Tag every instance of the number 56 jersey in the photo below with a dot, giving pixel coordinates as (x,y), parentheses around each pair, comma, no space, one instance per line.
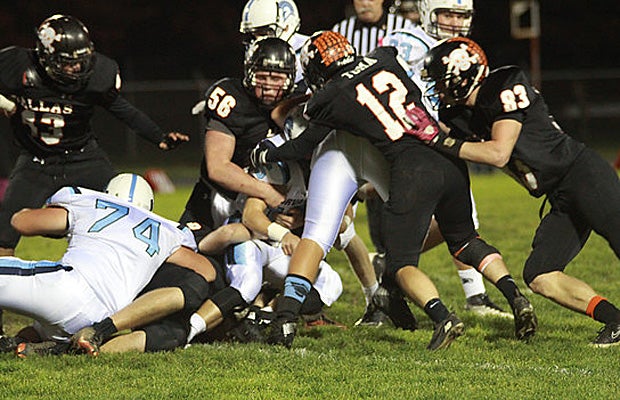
(116,246)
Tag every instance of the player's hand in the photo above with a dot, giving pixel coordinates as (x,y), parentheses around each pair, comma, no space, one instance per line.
(294,219)
(289,243)
(258,156)
(172,140)
(422,125)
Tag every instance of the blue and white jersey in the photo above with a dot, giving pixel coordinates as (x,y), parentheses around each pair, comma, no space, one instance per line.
(297,42)
(412,44)
(116,246)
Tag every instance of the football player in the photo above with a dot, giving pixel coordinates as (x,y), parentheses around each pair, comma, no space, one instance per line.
(237,117)
(369,96)
(265,259)
(500,119)
(116,245)
(55,88)
(441,19)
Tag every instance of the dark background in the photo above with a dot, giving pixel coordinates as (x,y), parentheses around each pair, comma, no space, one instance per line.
(170,52)
(200,39)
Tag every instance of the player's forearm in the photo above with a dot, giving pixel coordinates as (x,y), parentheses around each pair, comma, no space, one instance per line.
(41,221)
(135,119)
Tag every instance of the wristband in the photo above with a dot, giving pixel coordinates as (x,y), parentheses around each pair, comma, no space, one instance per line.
(276,232)
(6,104)
(447,144)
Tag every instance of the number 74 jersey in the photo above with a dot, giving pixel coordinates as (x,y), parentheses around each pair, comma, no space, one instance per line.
(114,245)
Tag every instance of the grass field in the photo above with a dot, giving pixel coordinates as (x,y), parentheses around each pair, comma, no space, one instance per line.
(371,363)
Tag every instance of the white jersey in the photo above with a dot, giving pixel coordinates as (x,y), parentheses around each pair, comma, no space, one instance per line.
(114,245)
(297,42)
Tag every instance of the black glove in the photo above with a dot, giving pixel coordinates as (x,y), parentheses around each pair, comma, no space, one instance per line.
(171,142)
(258,156)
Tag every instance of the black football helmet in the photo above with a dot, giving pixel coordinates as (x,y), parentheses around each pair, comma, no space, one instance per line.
(64,49)
(323,54)
(456,66)
(273,55)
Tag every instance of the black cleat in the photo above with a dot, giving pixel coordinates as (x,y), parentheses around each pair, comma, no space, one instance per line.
(608,336)
(446,332)
(395,306)
(282,332)
(48,348)
(525,318)
(372,317)
(8,344)
(86,341)
(251,328)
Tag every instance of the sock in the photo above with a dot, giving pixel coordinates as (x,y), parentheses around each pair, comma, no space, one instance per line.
(436,310)
(296,288)
(472,282)
(104,329)
(509,288)
(197,325)
(369,291)
(603,311)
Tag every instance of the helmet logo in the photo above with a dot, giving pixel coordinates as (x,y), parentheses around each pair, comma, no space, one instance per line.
(48,36)
(459,60)
(286,8)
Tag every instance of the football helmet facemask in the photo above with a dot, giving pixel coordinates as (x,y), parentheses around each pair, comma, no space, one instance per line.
(428,17)
(270,55)
(132,188)
(269,18)
(456,66)
(324,54)
(64,49)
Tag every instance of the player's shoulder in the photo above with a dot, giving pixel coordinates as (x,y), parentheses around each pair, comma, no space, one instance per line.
(507,76)
(227,86)
(66,195)
(14,62)
(105,74)
(228,99)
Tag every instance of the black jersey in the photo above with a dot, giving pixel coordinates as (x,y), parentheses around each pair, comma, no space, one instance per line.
(369,99)
(231,109)
(52,118)
(543,152)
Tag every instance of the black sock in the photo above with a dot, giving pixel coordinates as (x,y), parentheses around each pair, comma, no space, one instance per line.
(288,308)
(606,312)
(436,310)
(104,329)
(509,288)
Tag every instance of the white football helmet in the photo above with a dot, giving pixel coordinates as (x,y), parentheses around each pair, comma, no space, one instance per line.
(277,18)
(132,188)
(428,17)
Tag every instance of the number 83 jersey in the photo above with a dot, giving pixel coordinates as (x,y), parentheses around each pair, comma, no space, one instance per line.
(114,245)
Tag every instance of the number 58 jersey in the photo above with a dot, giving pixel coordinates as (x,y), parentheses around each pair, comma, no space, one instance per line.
(114,245)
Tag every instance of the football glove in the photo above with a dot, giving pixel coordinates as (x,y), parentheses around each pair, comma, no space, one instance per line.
(258,156)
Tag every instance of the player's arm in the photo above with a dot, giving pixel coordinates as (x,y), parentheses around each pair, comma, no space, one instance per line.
(294,149)
(50,221)
(497,151)
(226,235)
(143,125)
(219,150)
(256,220)
(187,258)
(283,109)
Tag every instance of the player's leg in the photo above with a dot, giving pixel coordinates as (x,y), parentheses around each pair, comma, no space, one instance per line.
(416,185)
(331,187)
(453,214)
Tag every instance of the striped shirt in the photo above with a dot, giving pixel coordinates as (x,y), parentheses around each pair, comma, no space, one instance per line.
(365,36)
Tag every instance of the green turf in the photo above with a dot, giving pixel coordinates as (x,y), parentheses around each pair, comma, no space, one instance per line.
(374,363)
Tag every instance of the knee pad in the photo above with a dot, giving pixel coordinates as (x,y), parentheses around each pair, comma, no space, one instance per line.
(196,290)
(477,253)
(227,300)
(166,334)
